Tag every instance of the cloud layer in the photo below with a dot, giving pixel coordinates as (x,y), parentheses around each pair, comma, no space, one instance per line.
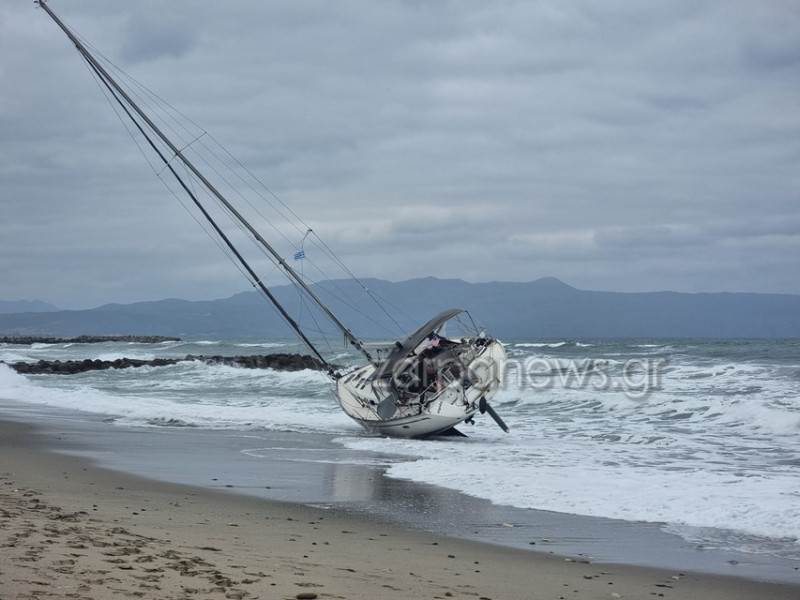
(614,146)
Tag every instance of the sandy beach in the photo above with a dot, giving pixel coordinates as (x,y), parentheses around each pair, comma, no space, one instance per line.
(70,529)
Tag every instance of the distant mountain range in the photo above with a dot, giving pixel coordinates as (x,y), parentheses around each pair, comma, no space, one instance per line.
(8,307)
(546,308)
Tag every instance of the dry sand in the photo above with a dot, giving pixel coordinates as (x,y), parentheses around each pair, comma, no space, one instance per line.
(69,529)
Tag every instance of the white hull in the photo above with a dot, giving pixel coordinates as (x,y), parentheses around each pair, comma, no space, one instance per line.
(452,398)
(419,426)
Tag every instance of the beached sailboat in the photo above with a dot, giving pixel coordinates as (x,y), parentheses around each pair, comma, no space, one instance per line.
(420,386)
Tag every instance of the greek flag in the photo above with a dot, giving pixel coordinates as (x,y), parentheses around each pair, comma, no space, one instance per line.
(300,254)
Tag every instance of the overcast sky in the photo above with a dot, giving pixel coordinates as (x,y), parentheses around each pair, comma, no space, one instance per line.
(622,146)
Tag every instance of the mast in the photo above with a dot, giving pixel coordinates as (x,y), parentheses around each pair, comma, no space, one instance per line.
(118,92)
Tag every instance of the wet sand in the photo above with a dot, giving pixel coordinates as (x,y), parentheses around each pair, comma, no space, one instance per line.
(71,529)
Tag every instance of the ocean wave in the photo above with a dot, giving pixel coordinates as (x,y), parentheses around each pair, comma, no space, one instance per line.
(540,344)
(714,427)
(262,345)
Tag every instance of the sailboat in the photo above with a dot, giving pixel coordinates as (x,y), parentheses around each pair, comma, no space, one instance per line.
(422,385)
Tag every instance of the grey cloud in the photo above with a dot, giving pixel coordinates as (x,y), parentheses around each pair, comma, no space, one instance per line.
(599,143)
(149,37)
(644,236)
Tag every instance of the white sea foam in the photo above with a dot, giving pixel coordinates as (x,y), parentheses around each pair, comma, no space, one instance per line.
(540,344)
(711,448)
(136,354)
(198,395)
(572,482)
(13,355)
(595,477)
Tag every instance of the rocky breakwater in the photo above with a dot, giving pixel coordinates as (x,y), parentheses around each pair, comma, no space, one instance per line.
(279,362)
(87,339)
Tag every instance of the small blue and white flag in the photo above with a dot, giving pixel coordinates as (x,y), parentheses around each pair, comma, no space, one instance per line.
(300,255)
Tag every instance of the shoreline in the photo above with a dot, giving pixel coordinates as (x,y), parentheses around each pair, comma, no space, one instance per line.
(317,470)
(68,522)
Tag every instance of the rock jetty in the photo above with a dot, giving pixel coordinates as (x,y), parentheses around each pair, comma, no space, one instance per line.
(87,339)
(279,362)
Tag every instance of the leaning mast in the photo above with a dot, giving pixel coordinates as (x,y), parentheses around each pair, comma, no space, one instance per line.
(120,94)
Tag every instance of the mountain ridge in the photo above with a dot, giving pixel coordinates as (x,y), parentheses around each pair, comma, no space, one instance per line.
(542,308)
(9,307)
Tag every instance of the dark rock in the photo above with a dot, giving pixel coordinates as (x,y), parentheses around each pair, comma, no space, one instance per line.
(279,362)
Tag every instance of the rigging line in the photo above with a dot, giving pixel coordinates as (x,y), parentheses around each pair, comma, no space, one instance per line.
(345,298)
(299,291)
(158,172)
(118,115)
(237,192)
(150,99)
(333,290)
(191,142)
(342,296)
(205,229)
(167,115)
(100,57)
(156,105)
(376,300)
(114,106)
(216,227)
(216,240)
(319,330)
(288,270)
(336,291)
(219,159)
(237,175)
(203,226)
(264,186)
(146,95)
(304,302)
(249,236)
(329,253)
(326,250)
(172,117)
(175,155)
(212,165)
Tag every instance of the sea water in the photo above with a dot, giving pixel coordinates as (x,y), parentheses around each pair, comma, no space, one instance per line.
(699,436)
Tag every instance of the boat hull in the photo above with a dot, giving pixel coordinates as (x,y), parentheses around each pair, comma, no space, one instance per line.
(418,426)
(380,408)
